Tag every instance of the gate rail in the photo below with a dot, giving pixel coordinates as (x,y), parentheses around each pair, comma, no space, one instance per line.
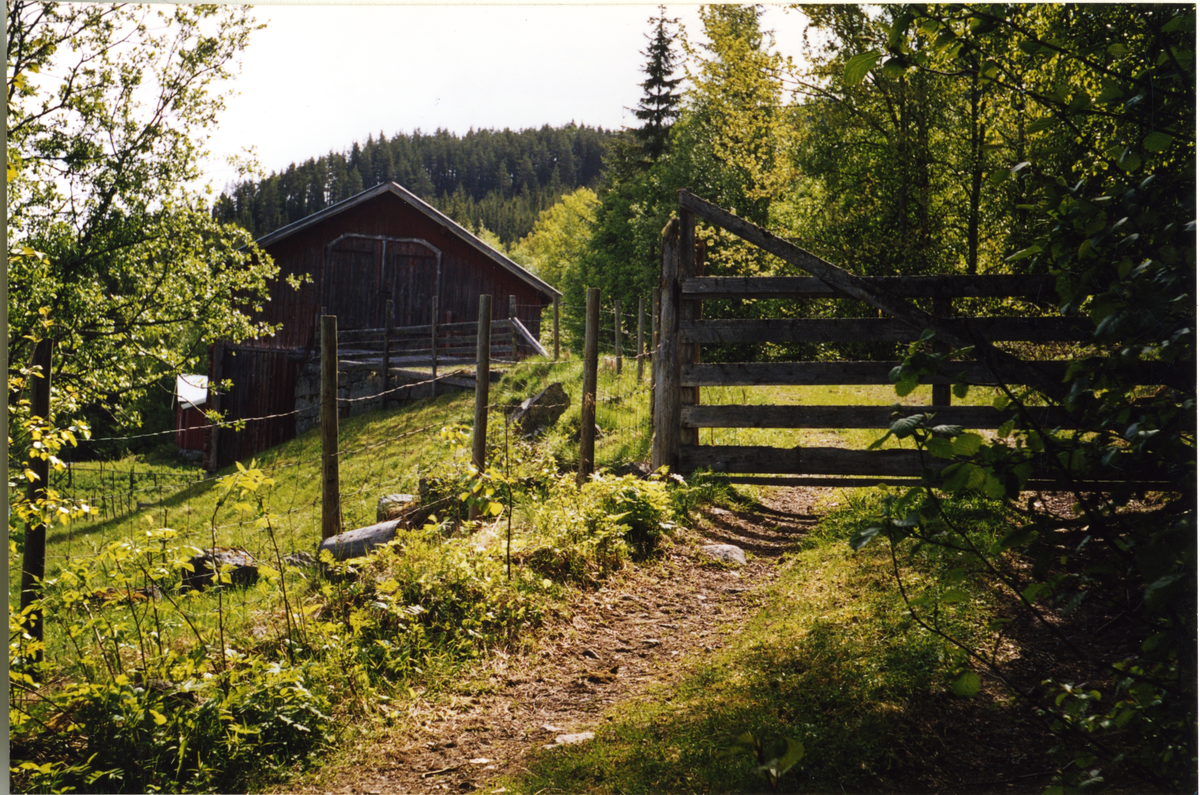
(679,371)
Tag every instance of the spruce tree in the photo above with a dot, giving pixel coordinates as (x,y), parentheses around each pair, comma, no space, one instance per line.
(658,107)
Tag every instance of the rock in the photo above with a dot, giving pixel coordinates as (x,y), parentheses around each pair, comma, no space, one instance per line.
(191,456)
(243,568)
(574,739)
(542,410)
(393,506)
(725,553)
(301,560)
(639,469)
(357,543)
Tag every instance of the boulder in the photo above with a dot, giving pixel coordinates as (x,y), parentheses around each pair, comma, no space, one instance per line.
(639,469)
(724,553)
(243,568)
(393,506)
(357,543)
(542,410)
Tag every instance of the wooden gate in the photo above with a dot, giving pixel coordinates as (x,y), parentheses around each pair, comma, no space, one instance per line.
(680,371)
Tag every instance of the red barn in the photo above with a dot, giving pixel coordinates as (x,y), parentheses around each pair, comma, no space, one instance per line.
(383,244)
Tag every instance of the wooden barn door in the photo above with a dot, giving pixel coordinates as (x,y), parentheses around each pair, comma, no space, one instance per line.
(410,279)
(353,288)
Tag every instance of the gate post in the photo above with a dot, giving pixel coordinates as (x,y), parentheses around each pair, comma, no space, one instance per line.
(667,407)
(331,499)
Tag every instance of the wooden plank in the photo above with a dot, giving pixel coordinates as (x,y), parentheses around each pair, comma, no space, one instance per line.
(528,338)
(858,416)
(1180,375)
(1012,369)
(787,330)
(849,482)
(689,311)
(667,405)
(736,459)
(828,373)
(1037,288)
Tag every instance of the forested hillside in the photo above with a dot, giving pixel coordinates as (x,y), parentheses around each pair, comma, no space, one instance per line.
(496,179)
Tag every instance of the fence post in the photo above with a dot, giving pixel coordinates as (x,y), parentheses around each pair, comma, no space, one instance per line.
(331,499)
(587,420)
(433,329)
(387,351)
(655,309)
(512,325)
(617,331)
(941,392)
(556,328)
(667,406)
(33,564)
(483,350)
(641,346)
(214,404)
(690,259)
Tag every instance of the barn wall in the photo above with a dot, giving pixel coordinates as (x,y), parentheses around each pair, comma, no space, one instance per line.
(364,272)
(357,287)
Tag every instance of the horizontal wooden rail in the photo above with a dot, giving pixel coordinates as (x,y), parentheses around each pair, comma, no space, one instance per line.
(1175,374)
(794,330)
(1038,288)
(829,373)
(858,416)
(737,459)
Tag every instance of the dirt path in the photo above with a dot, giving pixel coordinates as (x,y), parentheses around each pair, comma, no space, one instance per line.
(618,642)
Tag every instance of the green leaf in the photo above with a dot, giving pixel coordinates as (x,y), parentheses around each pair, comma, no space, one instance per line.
(940,448)
(1025,253)
(858,66)
(967,444)
(966,685)
(1157,141)
(953,596)
(1038,125)
(960,389)
(864,537)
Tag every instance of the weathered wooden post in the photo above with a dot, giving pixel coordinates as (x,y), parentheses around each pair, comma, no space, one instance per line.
(483,351)
(213,460)
(512,325)
(641,340)
(433,334)
(617,332)
(690,256)
(331,498)
(556,328)
(667,406)
(941,392)
(386,375)
(33,563)
(655,309)
(587,419)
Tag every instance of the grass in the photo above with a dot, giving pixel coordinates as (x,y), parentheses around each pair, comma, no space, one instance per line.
(831,659)
(391,451)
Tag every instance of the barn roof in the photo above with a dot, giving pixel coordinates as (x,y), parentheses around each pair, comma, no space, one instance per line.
(432,213)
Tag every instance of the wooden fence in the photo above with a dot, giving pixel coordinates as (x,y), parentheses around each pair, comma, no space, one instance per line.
(680,371)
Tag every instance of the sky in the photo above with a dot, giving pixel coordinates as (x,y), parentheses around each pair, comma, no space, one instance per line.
(320,77)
